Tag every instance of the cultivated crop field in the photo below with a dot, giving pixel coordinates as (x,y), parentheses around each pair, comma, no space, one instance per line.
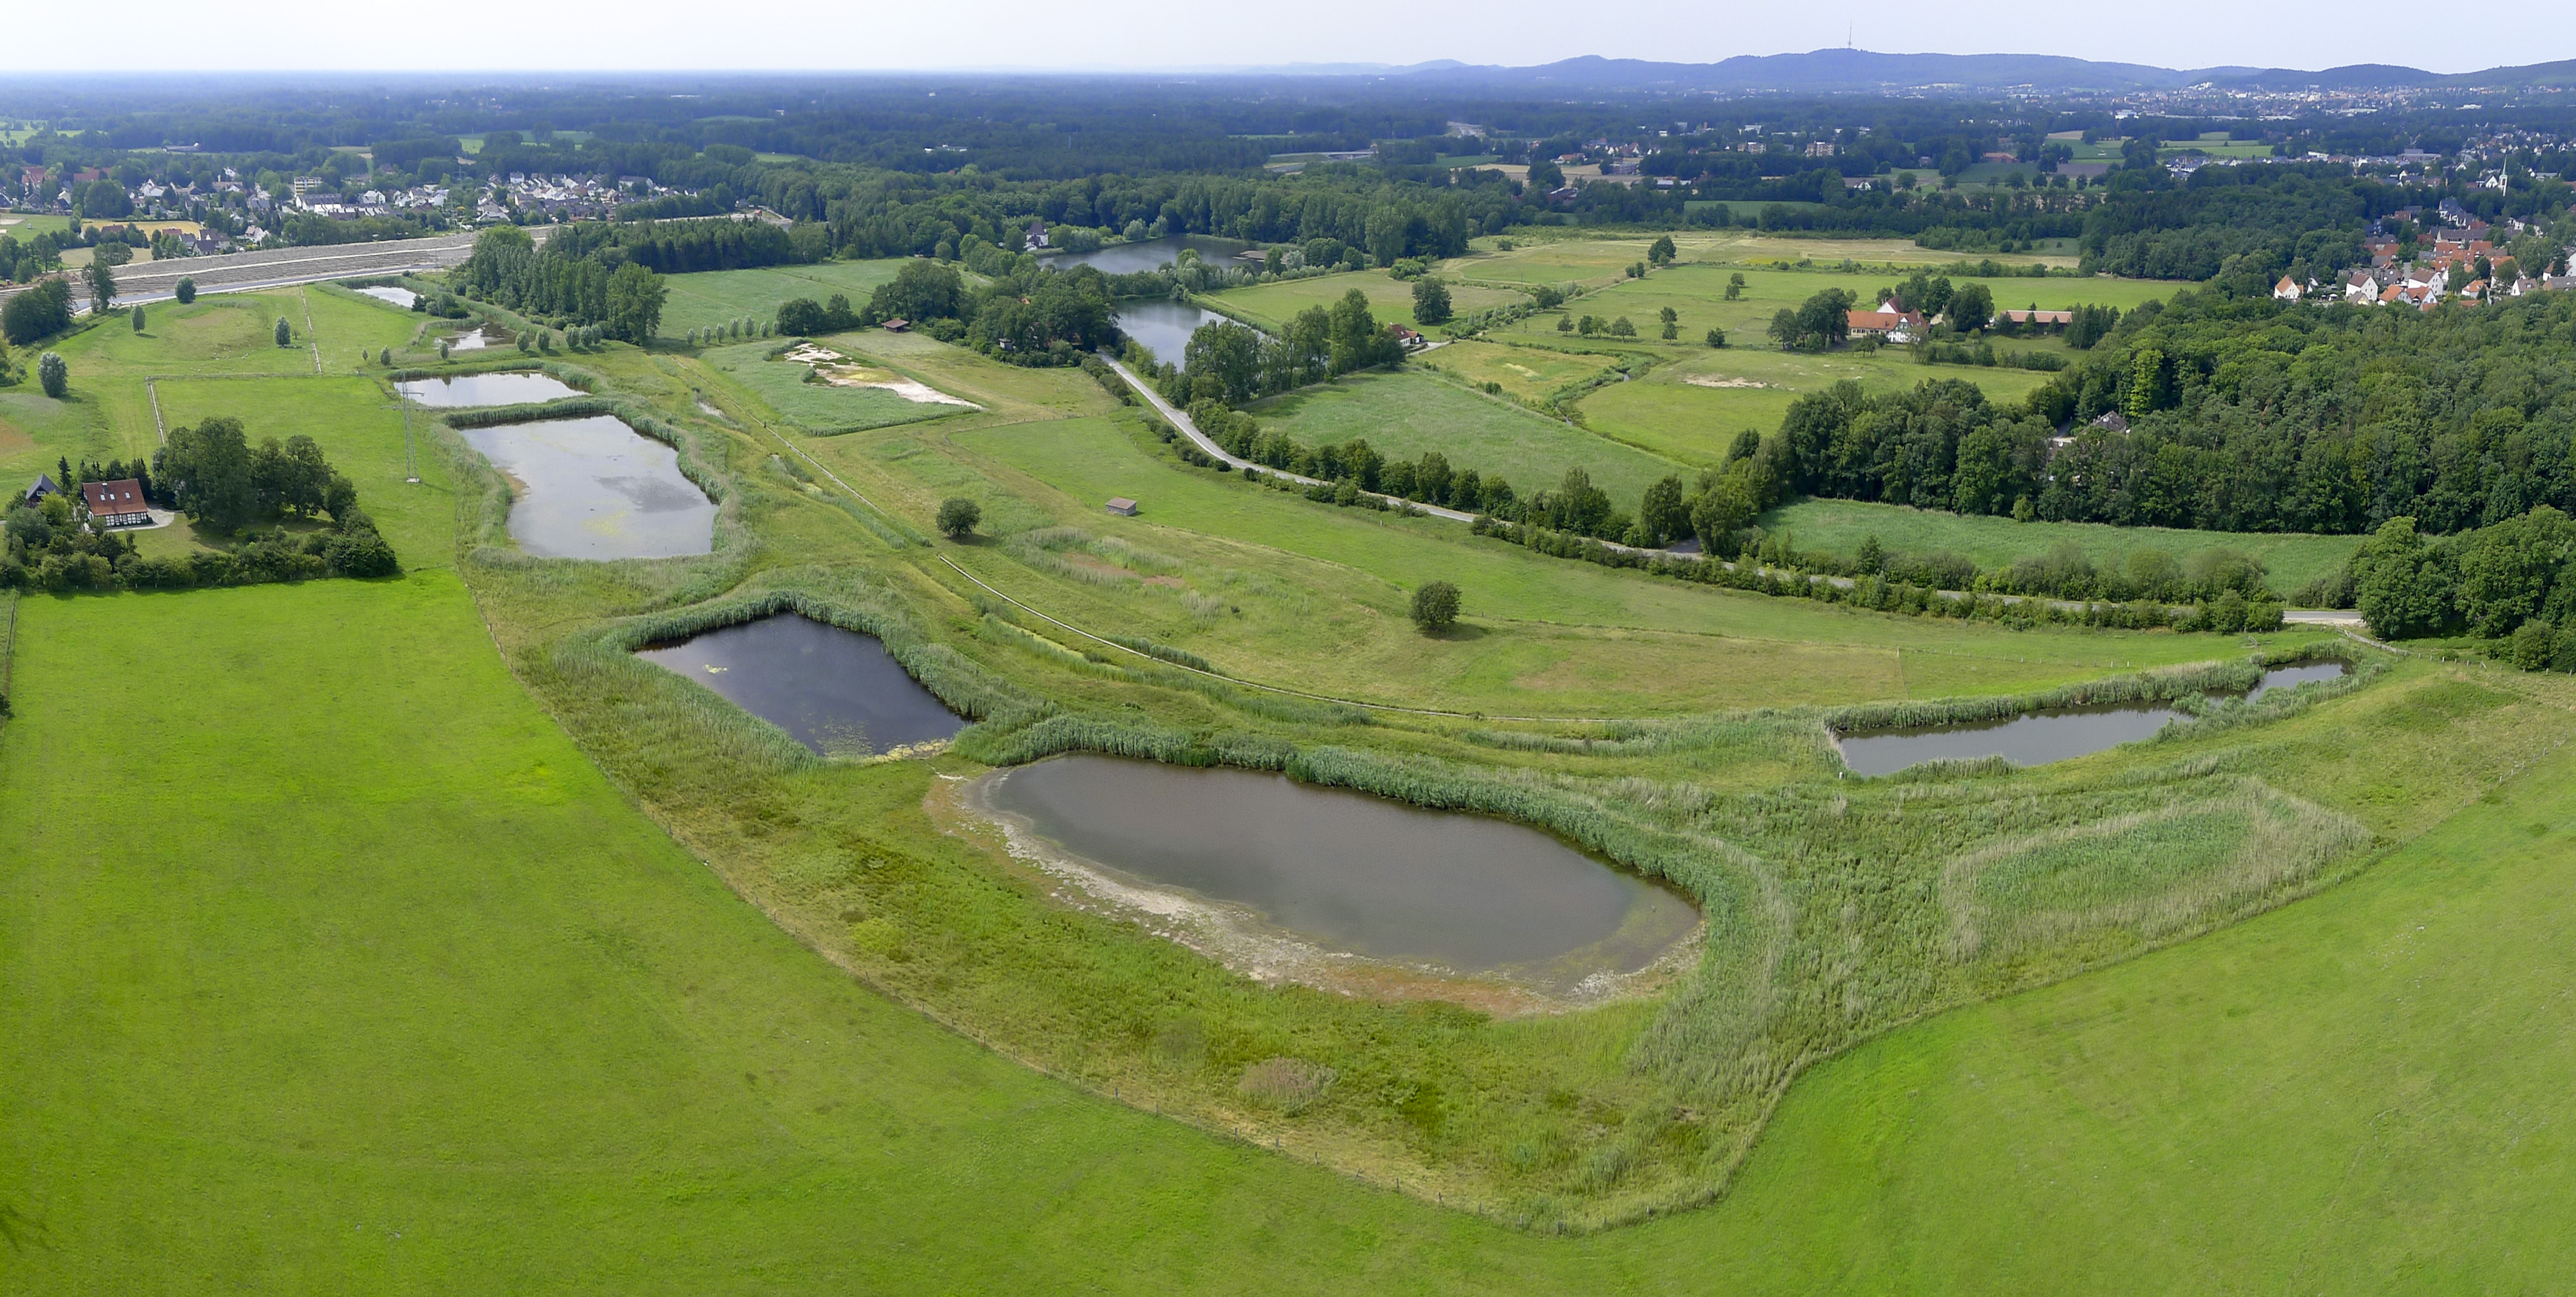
(417,931)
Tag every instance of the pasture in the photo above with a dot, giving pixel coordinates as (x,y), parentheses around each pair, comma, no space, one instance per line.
(1404,414)
(1272,305)
(1692,409)
(714,297)
(1839,527)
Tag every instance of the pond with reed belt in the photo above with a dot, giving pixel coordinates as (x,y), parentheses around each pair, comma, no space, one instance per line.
(2037,738)
(595,488)
(1351,872)
(465,391)
(836,691)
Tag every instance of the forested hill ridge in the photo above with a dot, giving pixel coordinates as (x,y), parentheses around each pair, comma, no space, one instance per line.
(1847,70)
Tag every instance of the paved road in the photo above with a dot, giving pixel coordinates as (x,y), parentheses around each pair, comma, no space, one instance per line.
(240,272)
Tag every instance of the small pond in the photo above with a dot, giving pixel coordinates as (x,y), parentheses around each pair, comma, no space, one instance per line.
(1128,258)
(2037,738)
(836,691)
(595,488)
(1163,328)
(402,297)
(463,390)
(1349,871)
(470,340)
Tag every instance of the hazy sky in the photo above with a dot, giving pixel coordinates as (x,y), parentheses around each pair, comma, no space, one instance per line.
(1121,34)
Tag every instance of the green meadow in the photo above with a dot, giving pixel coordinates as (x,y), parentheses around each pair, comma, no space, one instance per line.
(1271,306)
(1839,527)
(412,936)
(715,297)
(1406,413)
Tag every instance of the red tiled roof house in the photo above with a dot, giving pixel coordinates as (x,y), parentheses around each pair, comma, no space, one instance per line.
(116,504)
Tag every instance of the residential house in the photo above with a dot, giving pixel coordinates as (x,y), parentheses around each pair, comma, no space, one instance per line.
(2287,290)
(1886,323)
(44,486)
(116,504)
(1405,337)
(1037,234)
(2048,319)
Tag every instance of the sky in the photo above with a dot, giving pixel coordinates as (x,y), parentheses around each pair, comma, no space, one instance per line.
(875,35)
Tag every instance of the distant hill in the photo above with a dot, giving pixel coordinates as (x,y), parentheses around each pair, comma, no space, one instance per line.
(1847,70)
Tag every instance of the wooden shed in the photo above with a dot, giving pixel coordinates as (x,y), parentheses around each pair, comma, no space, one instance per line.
(1123,507)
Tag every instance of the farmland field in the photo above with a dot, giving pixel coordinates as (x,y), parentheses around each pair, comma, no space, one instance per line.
(1405,414)
(716,297)
(1273,305)
(1690,410)
(1839,526)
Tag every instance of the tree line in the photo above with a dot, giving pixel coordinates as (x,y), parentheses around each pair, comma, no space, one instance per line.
(584,280)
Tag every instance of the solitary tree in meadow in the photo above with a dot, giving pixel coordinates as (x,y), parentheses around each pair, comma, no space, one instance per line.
(1435,607)
(285,332)
(186,291)
(56,378)
(137,318)
(958,516)
(102,285)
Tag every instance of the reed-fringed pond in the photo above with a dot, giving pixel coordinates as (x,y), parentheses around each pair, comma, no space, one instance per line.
(2039,737)
(595,488)
(1348,871)
(836,691)
(464,391)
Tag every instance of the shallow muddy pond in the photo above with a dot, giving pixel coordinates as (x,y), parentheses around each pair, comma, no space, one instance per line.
(595,488)
(1351,872)
(459,391)
(402,297)
(836,691)
(2037,738)
(1163,328)
(1128,258)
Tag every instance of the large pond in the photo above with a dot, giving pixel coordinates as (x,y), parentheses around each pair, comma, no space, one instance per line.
(836,691)
(461,390)
(2037,738)
(1351,872)
(1128,258)
(402,297)
(1163,328)
(595,488)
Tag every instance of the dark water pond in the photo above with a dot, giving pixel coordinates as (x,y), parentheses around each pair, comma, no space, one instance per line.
(1353,872)
(1128,258)
(595,488)
(2037,738)
(1163,328)
(464,390)
(836,691)
(402,297)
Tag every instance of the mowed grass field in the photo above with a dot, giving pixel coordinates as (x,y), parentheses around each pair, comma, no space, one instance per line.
(1390,299)
(107,412)
(1839,527)
(1692,409)
(1403,414)
(715,297)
